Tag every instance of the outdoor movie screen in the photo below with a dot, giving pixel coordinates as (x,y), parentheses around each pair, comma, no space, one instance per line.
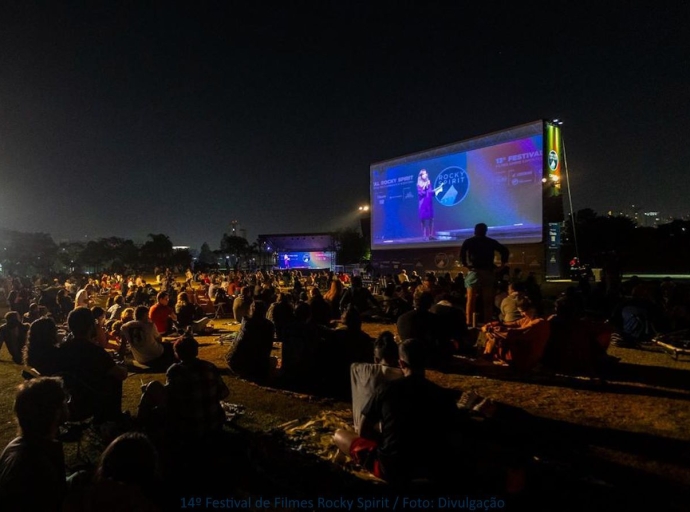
(436,197)
(306,260)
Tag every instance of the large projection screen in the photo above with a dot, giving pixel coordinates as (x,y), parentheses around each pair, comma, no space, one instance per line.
(495,179)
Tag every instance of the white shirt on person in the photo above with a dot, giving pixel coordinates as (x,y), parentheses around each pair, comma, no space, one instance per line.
(82,298)
(144,340)
(365,379)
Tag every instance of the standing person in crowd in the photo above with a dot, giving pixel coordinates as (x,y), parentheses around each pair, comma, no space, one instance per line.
(477,254)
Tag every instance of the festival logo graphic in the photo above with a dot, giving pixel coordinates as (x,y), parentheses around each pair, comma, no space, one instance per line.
(451,186)
(553,160)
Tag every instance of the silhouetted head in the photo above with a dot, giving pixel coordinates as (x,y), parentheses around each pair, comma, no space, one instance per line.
(40,405)
(386,349)
(258,309)
(186,348)
(130,458)
(13,319)
(141,313)
(412,354)
(81,322)
(480,229)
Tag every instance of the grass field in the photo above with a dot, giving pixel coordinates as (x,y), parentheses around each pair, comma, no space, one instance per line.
(630,437)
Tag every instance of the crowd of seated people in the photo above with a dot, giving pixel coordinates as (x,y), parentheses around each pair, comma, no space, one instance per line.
(323,345)
(181,429)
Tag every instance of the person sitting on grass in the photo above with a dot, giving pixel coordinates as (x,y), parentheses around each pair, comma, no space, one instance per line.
(127,478)
(32,466)
(508,305)
(187,408)
(361,298)
(337,350)
(242,303)
(421,324)
(250,354)
(34,313)
(41,350)
(115,311)
(95,380)
(333,296)
(417,419)
(520,344)
(189,314)
(282,314)
(101,334)
(300,343)
(145,341)
(13,334)
(577,345)
(195,389)
(320,309)
(162,315)
(366,378)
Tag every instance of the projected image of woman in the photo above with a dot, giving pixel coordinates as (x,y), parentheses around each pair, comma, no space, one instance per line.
(426,204)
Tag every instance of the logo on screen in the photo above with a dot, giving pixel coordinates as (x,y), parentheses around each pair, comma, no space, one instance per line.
(451,186)
(553,160)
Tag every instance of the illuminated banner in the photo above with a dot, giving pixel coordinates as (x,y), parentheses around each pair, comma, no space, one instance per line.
(553,153)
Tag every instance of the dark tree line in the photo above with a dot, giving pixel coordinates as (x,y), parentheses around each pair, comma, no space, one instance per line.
(607,240)
(30,253)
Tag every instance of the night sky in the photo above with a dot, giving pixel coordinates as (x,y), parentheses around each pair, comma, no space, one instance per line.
(178,118)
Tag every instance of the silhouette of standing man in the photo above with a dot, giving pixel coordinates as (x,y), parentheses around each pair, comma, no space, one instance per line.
(477,253)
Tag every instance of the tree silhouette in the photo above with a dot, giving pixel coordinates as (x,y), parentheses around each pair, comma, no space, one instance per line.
(158,251)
